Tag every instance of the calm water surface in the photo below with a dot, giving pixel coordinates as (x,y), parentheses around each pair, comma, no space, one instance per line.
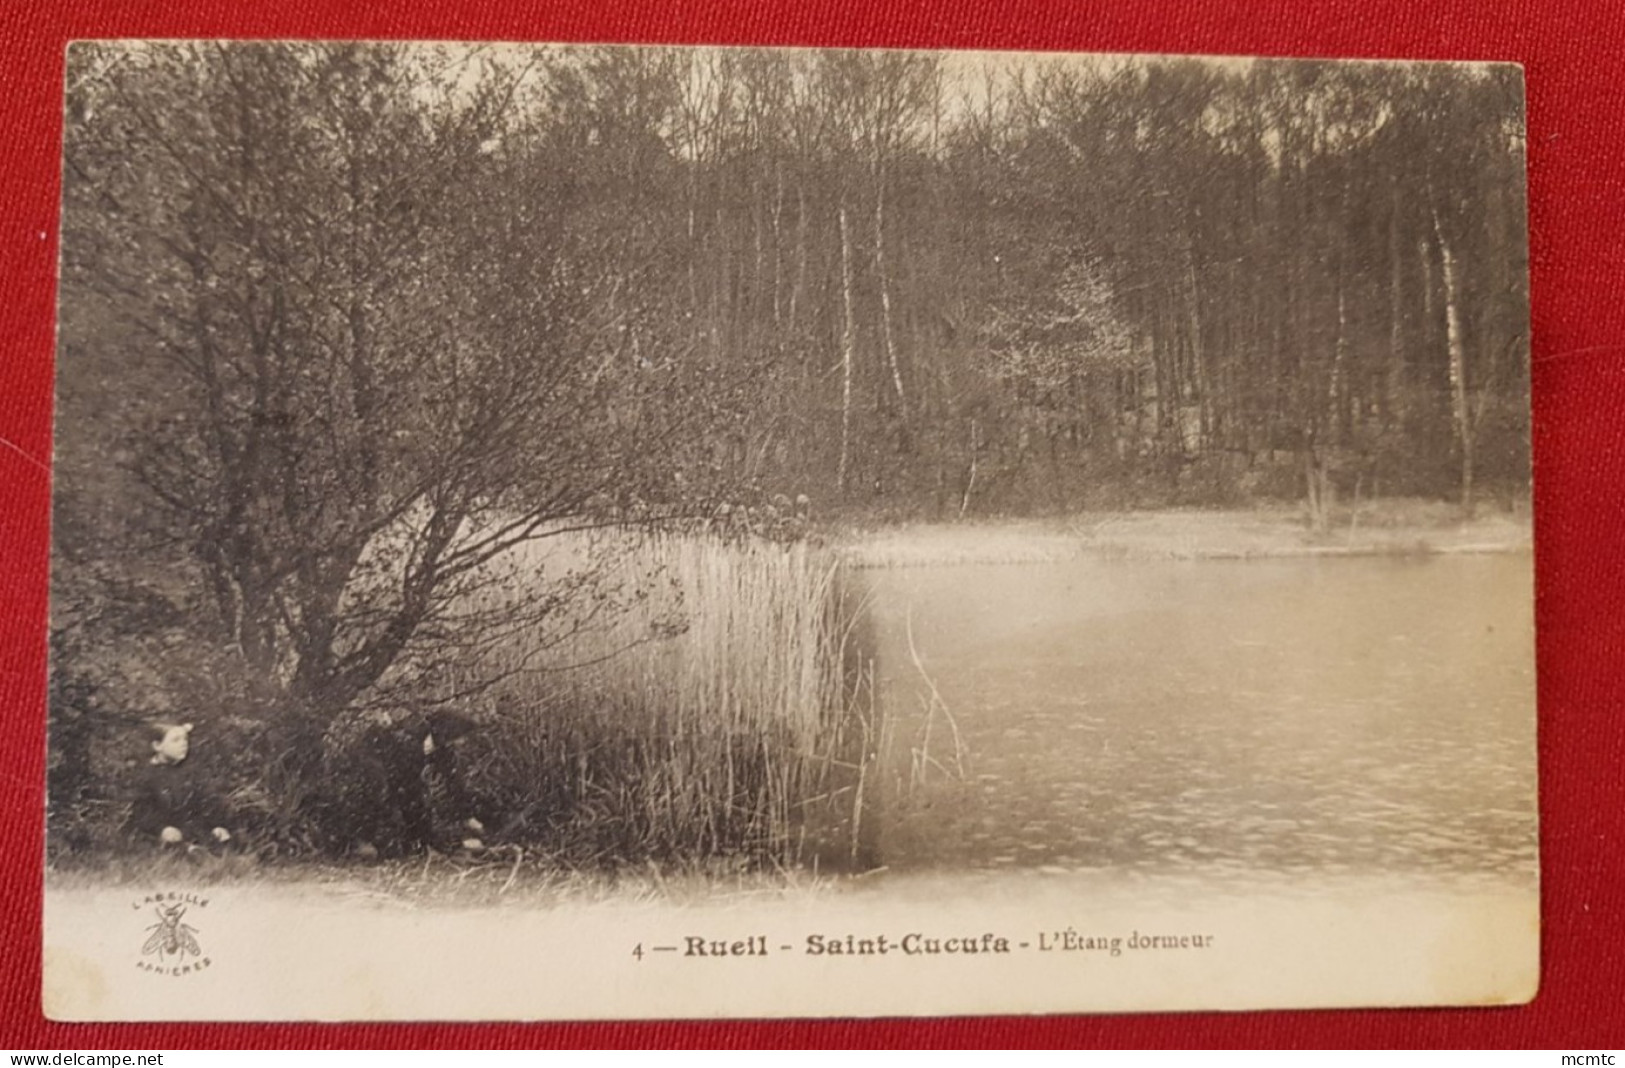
(1347,717)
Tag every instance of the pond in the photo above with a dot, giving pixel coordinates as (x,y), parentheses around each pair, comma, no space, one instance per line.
(1298,717)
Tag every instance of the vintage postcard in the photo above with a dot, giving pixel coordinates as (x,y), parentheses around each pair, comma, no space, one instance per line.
(563,532)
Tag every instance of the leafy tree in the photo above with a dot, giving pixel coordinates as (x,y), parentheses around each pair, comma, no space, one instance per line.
(351,360)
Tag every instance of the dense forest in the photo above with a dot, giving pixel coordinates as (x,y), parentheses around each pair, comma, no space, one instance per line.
(906,282)
(345,327)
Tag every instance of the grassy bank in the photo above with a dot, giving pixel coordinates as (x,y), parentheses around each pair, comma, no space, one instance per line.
(508,876)
(1381,527)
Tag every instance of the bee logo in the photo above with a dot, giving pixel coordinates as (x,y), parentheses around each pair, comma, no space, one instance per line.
(170,937)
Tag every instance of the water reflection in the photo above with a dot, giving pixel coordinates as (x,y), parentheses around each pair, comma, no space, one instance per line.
(1344,717)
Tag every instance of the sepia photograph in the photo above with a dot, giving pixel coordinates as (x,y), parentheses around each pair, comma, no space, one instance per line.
(606,531)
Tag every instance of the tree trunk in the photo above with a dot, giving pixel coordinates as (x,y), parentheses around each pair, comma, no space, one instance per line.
(1204,381)
(801,250)
(1460,416)
(1317,485)
(1336,393)
(1396,318)
(970,476)
(885,294)
(848,343)
(778,239)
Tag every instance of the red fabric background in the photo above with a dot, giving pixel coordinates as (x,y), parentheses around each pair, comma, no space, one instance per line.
(1572,55)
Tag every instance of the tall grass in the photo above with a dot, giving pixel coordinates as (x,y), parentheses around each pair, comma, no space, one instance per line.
(698,705)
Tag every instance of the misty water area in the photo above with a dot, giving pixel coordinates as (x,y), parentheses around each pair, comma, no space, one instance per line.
(1221,727)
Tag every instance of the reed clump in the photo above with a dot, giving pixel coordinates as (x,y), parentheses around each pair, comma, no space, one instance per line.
(696,705)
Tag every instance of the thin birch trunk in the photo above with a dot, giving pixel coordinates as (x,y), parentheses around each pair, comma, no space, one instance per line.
(1396,317)
(970,478)
(885,293)
(848,343)
(1460,416)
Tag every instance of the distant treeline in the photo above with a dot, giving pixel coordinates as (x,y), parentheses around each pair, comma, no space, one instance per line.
(964,284)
